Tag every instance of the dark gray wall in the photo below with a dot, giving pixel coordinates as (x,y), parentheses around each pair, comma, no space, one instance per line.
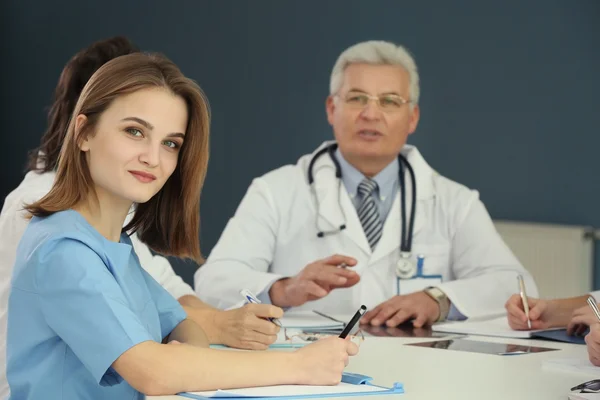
(509,89)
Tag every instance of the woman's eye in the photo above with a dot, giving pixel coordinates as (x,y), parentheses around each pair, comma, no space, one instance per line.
(134,132)
(171,144)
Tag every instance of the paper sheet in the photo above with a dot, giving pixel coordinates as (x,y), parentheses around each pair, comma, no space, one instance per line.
(292,390)
(575,365)
(584,396)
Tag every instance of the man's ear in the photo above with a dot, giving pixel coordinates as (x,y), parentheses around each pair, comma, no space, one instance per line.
(80,122)
(330,108)
(414,119)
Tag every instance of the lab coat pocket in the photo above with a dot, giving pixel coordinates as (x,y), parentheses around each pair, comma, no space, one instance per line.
(436,258)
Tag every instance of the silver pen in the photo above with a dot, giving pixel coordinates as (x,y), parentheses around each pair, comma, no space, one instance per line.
(523,294)
(592,302)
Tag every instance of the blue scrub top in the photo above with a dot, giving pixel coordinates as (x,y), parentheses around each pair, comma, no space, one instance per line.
(79,301)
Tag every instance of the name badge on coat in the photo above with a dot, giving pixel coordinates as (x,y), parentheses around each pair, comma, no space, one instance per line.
(417,282)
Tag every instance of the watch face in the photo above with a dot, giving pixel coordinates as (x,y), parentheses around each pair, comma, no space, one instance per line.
(436,293)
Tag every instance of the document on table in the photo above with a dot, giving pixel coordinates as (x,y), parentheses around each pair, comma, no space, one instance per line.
(584,396)
(576,365)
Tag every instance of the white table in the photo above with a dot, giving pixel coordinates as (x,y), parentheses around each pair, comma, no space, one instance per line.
(433,374)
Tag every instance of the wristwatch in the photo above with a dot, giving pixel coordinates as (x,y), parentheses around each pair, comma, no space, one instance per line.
(441,299)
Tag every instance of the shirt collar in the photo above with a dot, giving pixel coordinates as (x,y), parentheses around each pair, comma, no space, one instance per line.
(351,177)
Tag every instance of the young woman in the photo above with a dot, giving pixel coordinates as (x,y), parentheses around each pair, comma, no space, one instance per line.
(243,327)
(85,320)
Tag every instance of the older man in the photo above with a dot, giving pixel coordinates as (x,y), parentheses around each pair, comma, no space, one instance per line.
(365,219)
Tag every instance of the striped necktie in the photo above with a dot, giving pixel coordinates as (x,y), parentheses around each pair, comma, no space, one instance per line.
(368,214)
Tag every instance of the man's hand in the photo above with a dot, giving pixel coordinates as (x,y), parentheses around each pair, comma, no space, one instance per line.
(315,281)
(418,306)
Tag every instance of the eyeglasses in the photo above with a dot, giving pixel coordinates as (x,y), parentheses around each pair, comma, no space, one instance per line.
(301,339)
(588,387)
(386,102)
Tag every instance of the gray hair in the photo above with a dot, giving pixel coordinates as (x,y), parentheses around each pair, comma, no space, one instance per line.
(376,52)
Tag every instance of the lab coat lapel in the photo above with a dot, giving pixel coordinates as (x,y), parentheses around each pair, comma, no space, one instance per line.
(335,207)
(354,229)
(390,239)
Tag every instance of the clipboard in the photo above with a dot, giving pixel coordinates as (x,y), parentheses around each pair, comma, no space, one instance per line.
(352,385)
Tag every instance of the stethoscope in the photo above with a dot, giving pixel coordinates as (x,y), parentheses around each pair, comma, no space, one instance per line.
(406,267)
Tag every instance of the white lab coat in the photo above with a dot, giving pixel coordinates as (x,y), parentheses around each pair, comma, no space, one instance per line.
(13,225)
(273,235)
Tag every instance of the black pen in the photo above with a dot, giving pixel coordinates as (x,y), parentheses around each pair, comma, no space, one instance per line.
(353,321)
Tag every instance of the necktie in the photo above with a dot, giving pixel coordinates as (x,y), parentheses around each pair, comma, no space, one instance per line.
(368,214)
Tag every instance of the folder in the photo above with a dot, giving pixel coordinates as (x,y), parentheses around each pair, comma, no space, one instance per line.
(560,335)
(352,385)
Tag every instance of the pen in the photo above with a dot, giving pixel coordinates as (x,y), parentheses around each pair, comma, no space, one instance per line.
(353,321)
(251,298)
(420,263)
(524,298)
(594,307)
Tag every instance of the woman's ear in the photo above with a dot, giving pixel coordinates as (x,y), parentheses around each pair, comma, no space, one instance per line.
(80,122)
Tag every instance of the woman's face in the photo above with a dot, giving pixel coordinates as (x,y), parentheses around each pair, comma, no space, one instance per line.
(135,145)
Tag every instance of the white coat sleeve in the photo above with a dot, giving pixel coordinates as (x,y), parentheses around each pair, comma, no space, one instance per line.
(596,295)
(485,270)
(244,252)
(160,269)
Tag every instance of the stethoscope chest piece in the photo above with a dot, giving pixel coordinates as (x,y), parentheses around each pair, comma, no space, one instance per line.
(405,267)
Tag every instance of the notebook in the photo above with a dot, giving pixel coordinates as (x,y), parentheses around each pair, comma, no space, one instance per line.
(499,327)
(351,385)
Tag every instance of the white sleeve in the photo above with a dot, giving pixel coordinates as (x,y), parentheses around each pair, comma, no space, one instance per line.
(596,295)
(13,223)
(160,269)
(244,252)
(484,268)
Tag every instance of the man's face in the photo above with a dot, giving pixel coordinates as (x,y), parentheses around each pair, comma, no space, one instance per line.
(367,128)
